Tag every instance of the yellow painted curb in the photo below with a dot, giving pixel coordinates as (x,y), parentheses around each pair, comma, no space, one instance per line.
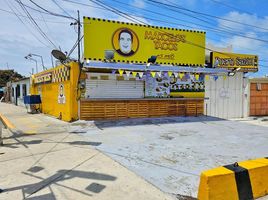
(6,122)
(244,180)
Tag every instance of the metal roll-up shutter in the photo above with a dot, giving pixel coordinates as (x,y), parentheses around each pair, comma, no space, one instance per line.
(112,88)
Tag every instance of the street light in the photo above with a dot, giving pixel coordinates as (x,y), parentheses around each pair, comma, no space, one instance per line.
(32,54)
(29,58)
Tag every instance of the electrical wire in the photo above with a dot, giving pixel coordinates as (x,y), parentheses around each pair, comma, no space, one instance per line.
(25,24)
(203,14)
(51,13)
(55,2)
(230,6)
(37,19)
(38,28)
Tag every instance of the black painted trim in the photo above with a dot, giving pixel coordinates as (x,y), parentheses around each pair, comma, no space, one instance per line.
(242,180)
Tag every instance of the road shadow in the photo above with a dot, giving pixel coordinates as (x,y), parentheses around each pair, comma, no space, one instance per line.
(29,190)
(101,124)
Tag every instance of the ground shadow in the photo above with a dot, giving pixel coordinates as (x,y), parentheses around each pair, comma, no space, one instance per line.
(146,121)
(61,175)
(84,143)
(24,143)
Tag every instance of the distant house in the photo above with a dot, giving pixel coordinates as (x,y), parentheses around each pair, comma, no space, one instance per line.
(19,89)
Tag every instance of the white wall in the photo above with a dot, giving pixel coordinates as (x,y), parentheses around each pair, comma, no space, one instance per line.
(20,98)
(227,97)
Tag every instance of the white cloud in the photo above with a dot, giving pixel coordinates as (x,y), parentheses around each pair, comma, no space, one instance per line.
(138,3)
(244,18)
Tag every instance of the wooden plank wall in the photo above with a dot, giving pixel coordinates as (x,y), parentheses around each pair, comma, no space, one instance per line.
(91,110)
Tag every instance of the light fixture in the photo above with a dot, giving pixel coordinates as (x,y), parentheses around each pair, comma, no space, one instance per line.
(232,73)
(109,54)
(152,59)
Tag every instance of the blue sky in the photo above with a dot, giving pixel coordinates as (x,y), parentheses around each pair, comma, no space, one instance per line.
(18,37)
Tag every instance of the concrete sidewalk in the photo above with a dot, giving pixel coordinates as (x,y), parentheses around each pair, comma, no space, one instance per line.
(52,163)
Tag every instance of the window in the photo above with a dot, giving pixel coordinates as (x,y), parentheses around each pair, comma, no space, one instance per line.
(24,90)
(258,86)
(18,91)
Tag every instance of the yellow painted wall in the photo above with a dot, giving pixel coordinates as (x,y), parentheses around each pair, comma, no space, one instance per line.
(50,91)
(188,94)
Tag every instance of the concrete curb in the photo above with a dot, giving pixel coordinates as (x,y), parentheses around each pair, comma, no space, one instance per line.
(6,122)
(243,180)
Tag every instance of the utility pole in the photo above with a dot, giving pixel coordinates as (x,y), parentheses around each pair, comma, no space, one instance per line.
(79,33)
(7,66)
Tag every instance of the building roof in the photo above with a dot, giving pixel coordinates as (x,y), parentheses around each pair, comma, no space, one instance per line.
(259,80)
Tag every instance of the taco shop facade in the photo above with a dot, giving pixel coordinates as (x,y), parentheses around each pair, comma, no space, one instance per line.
(130,84)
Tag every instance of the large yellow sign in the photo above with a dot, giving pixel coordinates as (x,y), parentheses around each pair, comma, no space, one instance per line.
(136,43)
(231,60)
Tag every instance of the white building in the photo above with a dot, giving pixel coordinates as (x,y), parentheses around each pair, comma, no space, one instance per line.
(20,89)
(227,96)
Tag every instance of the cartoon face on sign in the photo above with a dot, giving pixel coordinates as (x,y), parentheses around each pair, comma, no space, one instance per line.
(125,42)
(61,96)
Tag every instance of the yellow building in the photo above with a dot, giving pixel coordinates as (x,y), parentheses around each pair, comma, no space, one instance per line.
(58,90)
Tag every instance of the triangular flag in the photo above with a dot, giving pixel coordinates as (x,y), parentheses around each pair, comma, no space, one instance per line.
(215,77)
(207,77)
(140,74)
(159,74)
(224,77)
(134,74)
(121,71)
(175,74)
(128,73)
(181,75)
(170,73)
(197,77)
(153,74)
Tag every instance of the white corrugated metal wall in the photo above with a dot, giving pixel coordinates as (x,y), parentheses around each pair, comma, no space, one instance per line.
(226,97)
(112,88)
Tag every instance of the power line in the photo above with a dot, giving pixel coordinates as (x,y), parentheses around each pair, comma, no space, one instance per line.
(55,2)
(230,6)
(25,24)
(51,13)
(203,14)
(233,33)
(35,24)
(6,11)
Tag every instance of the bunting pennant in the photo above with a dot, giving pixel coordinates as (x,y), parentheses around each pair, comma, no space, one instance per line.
(128,73)
(170,73)
(159,74)
(224,77)
(207,77)
(175,74)
(121,71)
(215,77)
(134,74)
(197,77)
(153,74)
(140,74)
(181,75)
(113,71)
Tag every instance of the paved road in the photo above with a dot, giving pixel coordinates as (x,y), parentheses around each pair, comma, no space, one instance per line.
(55,164)
(171,153)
